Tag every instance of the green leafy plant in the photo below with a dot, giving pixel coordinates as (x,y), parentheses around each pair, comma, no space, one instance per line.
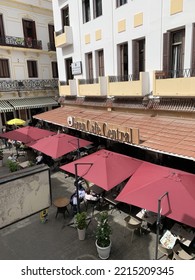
(80,220)
(103,230)
(13,166)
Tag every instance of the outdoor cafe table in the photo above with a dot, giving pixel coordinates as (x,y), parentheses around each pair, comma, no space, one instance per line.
(185,235)
(149,217)
(61,203)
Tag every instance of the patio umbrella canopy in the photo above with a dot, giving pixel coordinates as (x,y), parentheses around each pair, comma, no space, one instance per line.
(27,134)
(106,169)
(16,122)
(58,145)
(151,181)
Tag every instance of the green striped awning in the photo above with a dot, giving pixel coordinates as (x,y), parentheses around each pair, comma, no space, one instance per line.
(30,103)
(5,106)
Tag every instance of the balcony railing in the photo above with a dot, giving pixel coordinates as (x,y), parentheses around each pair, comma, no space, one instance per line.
(125,78)
(28,84)
(64,83)
(20,42)
(180,73)
(88,81)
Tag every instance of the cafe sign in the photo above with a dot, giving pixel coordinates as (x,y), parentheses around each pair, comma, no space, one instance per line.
(104,129)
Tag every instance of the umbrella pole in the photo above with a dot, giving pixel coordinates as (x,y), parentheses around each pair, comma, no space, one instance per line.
(158,224)
(77,188)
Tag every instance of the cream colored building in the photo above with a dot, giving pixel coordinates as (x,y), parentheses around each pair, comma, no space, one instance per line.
(28,64)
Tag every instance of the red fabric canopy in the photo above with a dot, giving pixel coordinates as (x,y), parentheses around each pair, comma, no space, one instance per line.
(58,145)
(106,169)
(151,181)
(27,134)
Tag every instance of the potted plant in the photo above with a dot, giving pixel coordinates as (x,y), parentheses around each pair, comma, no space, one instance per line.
(13,165)
(81,224)
(103,232)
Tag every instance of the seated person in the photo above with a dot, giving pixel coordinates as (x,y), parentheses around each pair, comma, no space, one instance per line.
(91,196)
(73,198)
(39,159)
(12,157)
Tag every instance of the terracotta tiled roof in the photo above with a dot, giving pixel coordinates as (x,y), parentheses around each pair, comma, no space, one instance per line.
(165,134)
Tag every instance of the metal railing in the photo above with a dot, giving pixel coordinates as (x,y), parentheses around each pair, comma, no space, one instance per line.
(20,42)
(131,77)
(88,81)
(179,73)
(64,83)
(12,85)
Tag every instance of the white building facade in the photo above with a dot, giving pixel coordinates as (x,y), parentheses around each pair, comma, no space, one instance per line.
(123,39)
(28,64)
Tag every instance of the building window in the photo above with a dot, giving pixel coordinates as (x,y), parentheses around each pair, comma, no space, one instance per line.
(51,44)
(100,63)
(89,66)
(65,17)
(54,66)
(86,10)
(32,69)
(4,68)
(2,33)
(120,3)
(68,66)
(97,6)
(123,61)
(29,29)
(173,53)
(138,57)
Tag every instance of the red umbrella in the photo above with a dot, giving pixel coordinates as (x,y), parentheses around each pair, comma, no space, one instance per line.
(27,134)
(151,181)
(58,145)
(105,169)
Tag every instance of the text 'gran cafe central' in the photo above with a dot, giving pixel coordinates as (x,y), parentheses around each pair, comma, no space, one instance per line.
(104,129)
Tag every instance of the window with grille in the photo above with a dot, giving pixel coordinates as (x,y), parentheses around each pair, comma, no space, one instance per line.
(32,69)
(4,68)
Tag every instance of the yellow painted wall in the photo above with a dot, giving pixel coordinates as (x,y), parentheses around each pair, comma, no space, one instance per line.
(89,90)
(98,35)
(129,88)
(176,6)
(138,19)
(60,40)
(64,90)
(121,25)
(87,39)
(174,87)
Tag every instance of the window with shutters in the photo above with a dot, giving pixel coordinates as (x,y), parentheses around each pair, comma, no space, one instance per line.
(89,65)
(100,63)
(193,51)
(4,68)
(123,61)
(97,7)
(86,10)
(51,37)
(173,53)
(54,66)
(32,69)
(2,33)
(29,29)
(138,57)
(65,16)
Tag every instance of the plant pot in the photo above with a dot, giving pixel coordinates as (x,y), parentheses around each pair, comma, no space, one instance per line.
(103,252)
(81,233)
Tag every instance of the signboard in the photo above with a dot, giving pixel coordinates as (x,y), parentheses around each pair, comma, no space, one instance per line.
(76,68)
(24,193)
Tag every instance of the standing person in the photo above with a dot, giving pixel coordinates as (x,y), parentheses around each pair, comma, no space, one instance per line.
(4,140)
(10,143)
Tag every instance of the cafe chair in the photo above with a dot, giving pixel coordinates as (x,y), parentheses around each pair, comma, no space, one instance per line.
(132,224)
(166,252)
(180,254)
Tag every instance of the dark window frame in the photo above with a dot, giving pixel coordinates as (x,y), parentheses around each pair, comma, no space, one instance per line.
(97,8)
(100,61)
(120,3)
(32,68)
(4,68)
(86,10)
(54,66)
(65,16)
